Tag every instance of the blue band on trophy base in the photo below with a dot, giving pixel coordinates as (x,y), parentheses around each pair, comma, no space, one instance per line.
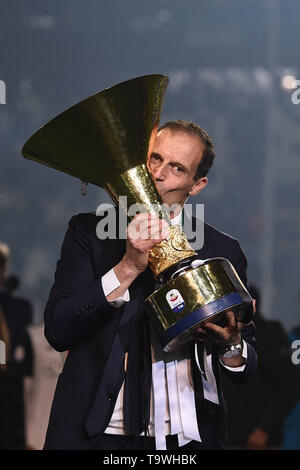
(203,313)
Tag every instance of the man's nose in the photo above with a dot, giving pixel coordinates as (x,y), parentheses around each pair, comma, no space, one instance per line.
(159,172)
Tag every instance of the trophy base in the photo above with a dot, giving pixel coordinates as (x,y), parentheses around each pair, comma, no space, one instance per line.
(195,295)
(181,332)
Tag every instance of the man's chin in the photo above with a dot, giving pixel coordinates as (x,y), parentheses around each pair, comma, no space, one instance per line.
(169,202)
(174,207)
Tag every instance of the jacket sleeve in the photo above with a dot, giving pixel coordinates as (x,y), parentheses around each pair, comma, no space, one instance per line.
(77,304)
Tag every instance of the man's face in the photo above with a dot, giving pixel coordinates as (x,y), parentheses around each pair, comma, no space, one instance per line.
(173,164)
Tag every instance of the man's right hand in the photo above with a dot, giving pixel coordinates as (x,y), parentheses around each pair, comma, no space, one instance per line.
(143,232)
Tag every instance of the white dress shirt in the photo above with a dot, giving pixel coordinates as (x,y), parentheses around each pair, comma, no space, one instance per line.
(172,403)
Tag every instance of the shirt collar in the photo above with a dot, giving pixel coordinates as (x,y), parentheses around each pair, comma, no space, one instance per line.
(177,220)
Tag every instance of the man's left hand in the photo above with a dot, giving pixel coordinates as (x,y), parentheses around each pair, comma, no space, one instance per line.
(223,336)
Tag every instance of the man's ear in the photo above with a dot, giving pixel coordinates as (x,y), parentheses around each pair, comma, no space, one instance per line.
(198,186)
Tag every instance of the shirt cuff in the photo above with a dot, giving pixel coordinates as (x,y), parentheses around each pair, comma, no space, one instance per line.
(244,355)
(110,282)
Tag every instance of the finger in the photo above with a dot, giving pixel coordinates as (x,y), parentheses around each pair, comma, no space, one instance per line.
(139,219)
(142,243)
(133,230)
(215,331)
(137,224)
(159,238)
(154,221)
(146,222)
(231,320)
(145,216)
(155,231)
(232,324)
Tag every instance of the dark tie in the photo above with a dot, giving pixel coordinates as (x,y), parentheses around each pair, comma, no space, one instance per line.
(137,380)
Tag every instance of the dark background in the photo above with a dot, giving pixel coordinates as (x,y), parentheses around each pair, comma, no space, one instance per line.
(227,61)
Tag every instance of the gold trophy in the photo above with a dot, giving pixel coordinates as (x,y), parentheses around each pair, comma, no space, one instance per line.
(106,140)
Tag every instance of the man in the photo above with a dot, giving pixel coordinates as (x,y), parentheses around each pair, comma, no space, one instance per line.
(16,313)
(118,390)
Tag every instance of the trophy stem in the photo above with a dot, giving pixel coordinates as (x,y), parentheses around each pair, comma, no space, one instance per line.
(166,257)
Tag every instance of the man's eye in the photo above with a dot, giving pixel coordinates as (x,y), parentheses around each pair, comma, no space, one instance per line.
(179,169)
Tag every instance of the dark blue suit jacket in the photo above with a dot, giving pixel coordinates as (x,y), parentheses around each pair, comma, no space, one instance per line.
(78,318)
